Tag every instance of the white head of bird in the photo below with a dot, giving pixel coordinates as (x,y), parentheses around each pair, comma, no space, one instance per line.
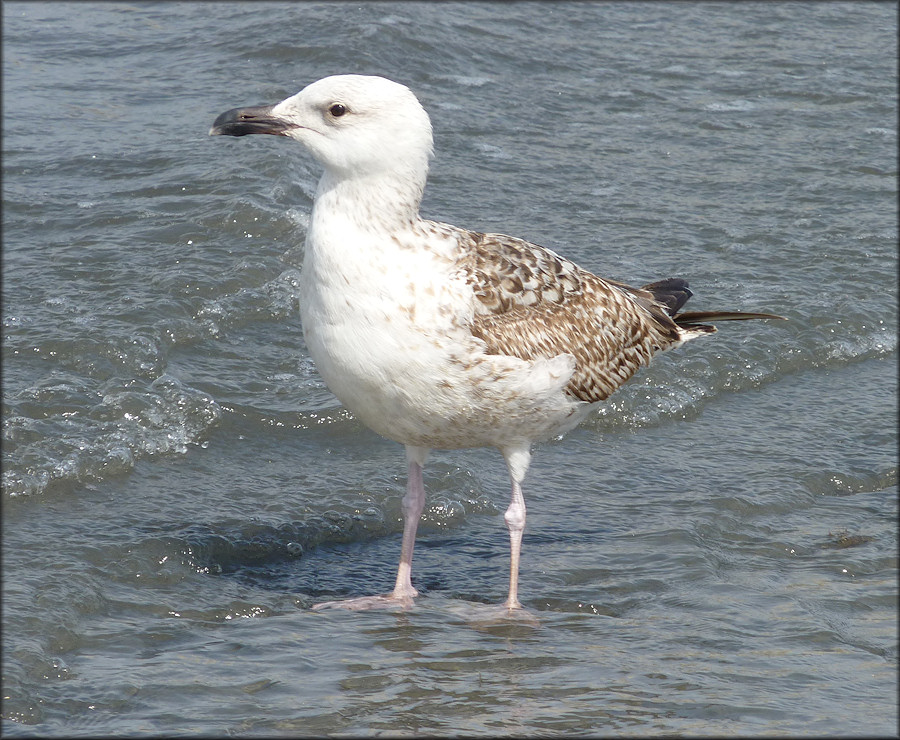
(356,126)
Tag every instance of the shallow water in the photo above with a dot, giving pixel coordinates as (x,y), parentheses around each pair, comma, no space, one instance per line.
(713,552)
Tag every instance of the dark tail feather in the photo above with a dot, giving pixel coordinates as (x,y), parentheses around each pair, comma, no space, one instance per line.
(672,293)
(693,318)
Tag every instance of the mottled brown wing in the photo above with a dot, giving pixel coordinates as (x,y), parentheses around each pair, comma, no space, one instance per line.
(506,273)
(533,303)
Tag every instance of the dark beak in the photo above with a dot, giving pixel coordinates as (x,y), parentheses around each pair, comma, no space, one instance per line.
(255,120)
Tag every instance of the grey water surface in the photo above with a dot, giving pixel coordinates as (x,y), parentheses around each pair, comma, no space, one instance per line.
(714,552)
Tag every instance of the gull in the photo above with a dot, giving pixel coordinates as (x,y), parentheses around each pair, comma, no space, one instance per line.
(439,337)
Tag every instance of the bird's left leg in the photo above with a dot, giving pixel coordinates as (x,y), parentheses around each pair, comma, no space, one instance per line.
(412,505)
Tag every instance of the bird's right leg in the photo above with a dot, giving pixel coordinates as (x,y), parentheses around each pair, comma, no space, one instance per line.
(517,460)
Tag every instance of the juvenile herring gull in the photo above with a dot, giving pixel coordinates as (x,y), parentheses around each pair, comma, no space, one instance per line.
(440,337)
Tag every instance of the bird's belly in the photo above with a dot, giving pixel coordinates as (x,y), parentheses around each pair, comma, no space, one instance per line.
(435,387)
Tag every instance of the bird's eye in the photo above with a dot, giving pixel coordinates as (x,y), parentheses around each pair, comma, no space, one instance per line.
(337,110)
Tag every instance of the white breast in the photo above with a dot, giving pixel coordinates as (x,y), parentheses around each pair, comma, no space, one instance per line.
(387,326)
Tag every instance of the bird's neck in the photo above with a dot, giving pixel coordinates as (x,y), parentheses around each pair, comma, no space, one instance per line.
(382,202)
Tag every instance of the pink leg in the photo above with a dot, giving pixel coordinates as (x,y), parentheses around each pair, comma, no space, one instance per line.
(517,460)
(413,503)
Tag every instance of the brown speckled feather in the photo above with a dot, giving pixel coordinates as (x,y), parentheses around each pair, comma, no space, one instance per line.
(533,303)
